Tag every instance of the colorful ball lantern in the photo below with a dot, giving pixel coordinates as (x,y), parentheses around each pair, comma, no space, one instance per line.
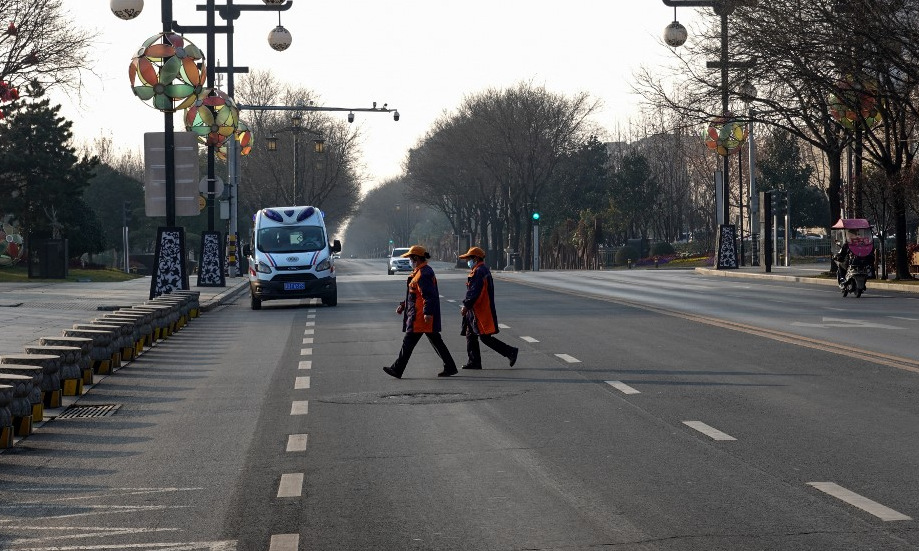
(213,117)
(165,73)
(11,248)
(855,104)
(243,138)
(279,38)
(726,135)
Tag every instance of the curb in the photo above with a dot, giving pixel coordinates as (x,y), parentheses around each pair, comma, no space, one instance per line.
(226,296)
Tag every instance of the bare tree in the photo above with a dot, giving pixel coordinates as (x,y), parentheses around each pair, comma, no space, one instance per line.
(41,44)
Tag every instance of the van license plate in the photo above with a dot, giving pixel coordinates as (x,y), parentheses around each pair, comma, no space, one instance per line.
(294,286)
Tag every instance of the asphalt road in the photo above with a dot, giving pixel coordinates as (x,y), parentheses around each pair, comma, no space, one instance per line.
(647,411)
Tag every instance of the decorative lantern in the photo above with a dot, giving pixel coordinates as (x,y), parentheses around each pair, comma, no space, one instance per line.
(675,34)
(855,104)
(726,135)
(213,117)
(165,73)
(279,38)
(243,136)
(127,9)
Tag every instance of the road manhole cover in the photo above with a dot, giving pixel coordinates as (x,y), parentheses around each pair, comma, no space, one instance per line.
(419,397)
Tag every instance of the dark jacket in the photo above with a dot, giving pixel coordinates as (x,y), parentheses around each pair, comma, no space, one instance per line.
(481,317)
(421,298)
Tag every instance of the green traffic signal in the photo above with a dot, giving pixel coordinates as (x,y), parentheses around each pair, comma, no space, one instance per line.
(535,216)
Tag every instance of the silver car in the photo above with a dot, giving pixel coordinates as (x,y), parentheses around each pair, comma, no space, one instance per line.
(398,264)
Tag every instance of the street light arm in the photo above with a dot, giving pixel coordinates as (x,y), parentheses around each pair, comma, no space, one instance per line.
(314,108)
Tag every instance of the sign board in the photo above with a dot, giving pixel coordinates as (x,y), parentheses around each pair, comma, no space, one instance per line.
(186,174)
(218,185)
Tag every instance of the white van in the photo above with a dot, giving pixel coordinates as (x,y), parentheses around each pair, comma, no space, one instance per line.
(290,256)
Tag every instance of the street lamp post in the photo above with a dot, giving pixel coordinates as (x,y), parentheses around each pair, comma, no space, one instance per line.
(296,128)
(675,35)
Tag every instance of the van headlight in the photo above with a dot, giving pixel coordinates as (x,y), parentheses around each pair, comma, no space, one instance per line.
(324,265)
(263,268)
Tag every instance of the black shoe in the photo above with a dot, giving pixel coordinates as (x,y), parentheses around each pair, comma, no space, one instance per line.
(448,372)
(513,357)
(472,366)
(392,372)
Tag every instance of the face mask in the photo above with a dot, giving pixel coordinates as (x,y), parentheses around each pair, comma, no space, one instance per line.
(470,263)
(413,263)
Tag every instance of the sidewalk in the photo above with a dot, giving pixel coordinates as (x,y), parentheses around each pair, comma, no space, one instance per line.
(804,273)
(29,311)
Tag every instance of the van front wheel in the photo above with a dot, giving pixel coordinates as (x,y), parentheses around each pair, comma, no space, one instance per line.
(331,300)
(256,304)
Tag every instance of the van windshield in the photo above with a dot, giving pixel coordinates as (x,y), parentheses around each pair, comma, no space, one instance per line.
(294,239)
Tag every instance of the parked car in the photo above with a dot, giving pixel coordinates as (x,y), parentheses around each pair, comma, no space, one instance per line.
(397,263)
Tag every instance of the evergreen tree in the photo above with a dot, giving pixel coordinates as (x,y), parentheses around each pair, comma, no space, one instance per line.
(781,168)
(43,177)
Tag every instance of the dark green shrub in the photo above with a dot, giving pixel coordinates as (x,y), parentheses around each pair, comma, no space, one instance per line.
(662,248)
(624,254)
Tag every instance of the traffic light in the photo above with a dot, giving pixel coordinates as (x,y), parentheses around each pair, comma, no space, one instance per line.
(535,216)
(778,201)
(127,215)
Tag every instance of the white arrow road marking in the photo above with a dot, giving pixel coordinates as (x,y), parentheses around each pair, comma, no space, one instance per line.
(839,322)
(284,542)
(872,507)
(622,387)
(711,432)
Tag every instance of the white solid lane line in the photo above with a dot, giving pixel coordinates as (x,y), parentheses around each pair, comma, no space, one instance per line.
(622,387)
(567,358)
(529,339)
(711,432)
(871,507)
(301,383)
(300,407)
(296,442)
(284,542)
(291,485)
(306,351)
(306,364)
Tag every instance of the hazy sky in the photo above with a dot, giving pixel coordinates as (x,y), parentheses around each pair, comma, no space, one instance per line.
(419,56)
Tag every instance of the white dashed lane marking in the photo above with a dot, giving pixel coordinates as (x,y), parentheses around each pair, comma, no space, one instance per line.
(308,331)
(709,431)
(529,339)
(296,442)
(307,340)
(567,358)
(622,387)
(291,485)
(306,351)
(284,542)
(311,324)
(306,364)
(871,507)
(311,316)
(502,326)
(300,407)
(301,383)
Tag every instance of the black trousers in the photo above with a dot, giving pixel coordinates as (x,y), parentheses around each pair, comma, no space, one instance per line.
(475,355)
(408,345)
